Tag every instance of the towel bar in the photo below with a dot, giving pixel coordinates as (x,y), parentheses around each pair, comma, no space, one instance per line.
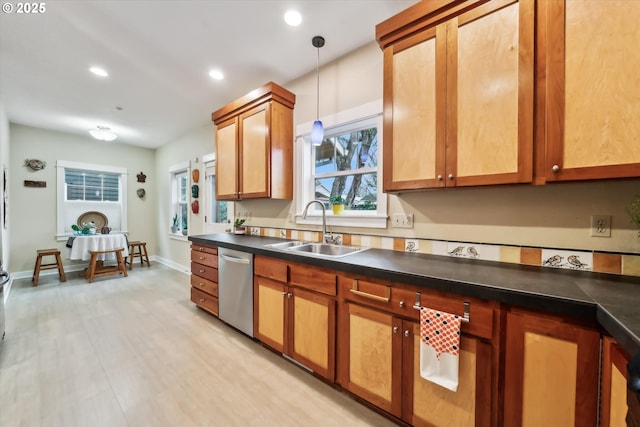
(465,317)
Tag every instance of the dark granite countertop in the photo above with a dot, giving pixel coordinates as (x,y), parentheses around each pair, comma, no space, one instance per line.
(612,301)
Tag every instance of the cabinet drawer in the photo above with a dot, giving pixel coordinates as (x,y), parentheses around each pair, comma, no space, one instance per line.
(270,268)
(207,249)
(205,258)
(204,285)
(204,271)
(313,278)
(379,294)
(205,301)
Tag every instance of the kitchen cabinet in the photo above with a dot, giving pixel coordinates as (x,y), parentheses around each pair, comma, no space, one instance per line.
(379,346)
(591,95)
(295,312)
(613,399)
(458,95)
(204,277)
(551,371)
(254,145)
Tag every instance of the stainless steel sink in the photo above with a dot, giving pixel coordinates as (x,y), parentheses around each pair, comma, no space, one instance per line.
(287,244)
(323,250)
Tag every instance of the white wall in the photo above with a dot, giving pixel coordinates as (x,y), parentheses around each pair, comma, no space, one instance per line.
(187,148)
(555,215)
(33,219)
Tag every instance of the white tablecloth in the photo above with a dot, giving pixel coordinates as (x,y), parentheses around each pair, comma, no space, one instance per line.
(98,242)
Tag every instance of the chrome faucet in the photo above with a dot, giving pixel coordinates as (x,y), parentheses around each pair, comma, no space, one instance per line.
(324,218)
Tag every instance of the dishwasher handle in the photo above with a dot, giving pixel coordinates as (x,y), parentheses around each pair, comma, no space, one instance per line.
(234,259)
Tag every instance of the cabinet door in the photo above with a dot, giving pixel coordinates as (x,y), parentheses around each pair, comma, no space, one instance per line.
(269,312)
(593,93)
(614,384)
(312,331)
(254,152)
(551,372)
(490,95)
(227,160)
(415,116)
(374,357)
(428,404)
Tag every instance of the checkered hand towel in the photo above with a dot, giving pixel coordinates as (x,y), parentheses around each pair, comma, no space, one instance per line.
(439,347)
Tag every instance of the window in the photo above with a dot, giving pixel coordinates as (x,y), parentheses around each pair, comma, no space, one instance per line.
(217,213)
(83,187)
(345,165)
(180,198)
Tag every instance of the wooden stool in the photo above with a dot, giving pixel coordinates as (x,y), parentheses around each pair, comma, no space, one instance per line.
(142,253)
(50,266)
(96,268)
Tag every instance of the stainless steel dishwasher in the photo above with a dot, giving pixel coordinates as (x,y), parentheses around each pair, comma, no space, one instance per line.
(235,289)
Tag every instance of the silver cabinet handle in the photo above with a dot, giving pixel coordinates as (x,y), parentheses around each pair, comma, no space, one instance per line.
(450,176)
(407,333)
(439,177)
(402,304)
(234,259)
(395,329)
(555,168)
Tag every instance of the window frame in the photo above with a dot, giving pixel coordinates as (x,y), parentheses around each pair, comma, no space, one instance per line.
(208,197)
(304,173)
(61,167)
(175,171)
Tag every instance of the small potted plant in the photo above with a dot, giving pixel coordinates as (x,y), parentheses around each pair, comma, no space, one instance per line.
(634,212)
(174,227)
(238,226)
(337,204)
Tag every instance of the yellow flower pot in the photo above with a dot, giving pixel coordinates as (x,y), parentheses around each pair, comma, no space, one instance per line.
(337,209)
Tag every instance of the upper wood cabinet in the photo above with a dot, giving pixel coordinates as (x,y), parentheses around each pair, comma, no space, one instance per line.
(588,54)
(458,95)
(254,145)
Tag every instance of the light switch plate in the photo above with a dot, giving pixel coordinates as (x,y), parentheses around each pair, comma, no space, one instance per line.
(399,220)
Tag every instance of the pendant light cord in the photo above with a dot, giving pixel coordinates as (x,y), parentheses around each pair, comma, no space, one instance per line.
(318,85)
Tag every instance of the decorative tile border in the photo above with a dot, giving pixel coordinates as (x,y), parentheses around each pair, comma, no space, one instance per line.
(600,262)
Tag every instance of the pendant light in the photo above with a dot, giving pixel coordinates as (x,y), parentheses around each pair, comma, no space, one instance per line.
(317,130)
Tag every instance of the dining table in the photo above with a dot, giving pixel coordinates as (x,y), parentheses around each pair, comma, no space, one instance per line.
(79,246)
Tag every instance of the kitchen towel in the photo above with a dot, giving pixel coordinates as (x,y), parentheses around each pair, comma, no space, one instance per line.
(439,347)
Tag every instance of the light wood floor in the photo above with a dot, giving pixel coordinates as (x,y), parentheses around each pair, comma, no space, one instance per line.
(136,352)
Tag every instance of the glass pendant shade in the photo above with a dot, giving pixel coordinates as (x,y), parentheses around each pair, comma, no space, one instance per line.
(317,133)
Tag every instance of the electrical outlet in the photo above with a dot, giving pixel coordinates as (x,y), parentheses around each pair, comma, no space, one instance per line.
(402,220)
(600,225)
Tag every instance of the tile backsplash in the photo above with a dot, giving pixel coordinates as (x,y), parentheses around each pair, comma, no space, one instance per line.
(601,262)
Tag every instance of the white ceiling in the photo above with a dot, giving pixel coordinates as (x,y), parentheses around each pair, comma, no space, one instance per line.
(158,54)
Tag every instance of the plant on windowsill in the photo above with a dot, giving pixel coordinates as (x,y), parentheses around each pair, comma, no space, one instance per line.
(634,212)
(337,204)
(174,227)
(239,227)
(184,226)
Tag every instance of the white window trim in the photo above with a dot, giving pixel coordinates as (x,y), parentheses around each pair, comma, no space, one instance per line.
(363,219)
(61,165)
(209,161)
(173,170)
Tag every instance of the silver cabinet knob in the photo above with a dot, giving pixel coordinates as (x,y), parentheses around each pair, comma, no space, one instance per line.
(402,304)
(450,176)
(284,294)
(395,329)
(555,168)
(289,295)
(439,177)
(407,333)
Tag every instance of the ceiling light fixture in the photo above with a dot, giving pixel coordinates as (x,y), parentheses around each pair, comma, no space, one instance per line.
(293,18)
(317,130)
(216,74)
(103,133)
(99,71)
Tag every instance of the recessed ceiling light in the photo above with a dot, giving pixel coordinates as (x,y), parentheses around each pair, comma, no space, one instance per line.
(293,18)
(216,74)
(99,71)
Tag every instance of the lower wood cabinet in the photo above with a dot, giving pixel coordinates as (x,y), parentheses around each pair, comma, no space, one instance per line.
(204,277)
(613,388)
(551,372)
(379,357)
(296,321)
